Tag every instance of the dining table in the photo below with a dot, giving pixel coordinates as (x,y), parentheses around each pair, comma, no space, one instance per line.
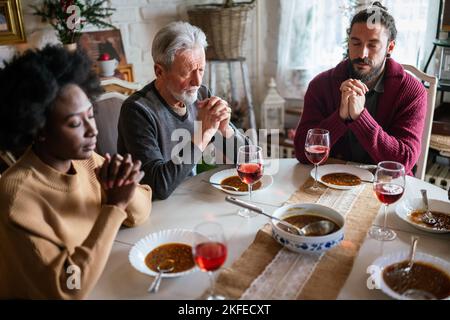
(195,201)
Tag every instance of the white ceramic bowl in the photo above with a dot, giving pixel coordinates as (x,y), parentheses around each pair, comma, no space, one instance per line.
(304,243)
(404,208)
(143,247)
(387,260)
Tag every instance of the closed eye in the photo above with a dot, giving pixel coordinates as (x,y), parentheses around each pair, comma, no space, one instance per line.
(74,124)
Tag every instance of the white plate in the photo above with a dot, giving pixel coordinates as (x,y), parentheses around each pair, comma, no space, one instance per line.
(219,176)
(145,245)
(341,168)
(387,260)
(404,208)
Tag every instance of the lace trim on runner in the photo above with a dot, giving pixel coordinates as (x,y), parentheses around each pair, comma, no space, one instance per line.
(286,275)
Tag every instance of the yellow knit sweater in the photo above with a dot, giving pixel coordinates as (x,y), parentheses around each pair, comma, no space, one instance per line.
(55,231)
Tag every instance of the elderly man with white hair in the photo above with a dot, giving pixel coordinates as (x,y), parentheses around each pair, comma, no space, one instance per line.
(153,120)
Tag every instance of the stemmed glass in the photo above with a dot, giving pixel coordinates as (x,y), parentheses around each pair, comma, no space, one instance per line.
(210,251)
(389,185)
(317,149)
(250,170)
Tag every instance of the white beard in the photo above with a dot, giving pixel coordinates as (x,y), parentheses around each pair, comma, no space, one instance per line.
(185,97)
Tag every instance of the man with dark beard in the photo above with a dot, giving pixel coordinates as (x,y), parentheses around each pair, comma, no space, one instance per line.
(374,110)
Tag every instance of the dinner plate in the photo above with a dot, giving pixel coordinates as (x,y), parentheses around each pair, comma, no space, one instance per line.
(341,168)
(404,209)
(382,262)
(218,177)
(143,247)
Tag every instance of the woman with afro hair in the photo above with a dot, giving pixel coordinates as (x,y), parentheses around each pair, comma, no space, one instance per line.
(61,204)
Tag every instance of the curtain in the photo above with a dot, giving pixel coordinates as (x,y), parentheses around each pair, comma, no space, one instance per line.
(312,37)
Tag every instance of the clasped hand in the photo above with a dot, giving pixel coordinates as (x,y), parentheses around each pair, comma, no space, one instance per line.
(214,114)
(353,99)
(119,177)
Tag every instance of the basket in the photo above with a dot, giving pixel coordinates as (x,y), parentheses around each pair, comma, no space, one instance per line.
(225,28)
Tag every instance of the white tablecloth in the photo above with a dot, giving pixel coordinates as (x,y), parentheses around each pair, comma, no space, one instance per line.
(195,201)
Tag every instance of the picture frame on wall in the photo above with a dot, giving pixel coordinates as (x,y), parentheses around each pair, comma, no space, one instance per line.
(108,41)
(12,29)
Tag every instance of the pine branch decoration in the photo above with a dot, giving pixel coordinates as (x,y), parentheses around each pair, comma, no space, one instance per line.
(91,12)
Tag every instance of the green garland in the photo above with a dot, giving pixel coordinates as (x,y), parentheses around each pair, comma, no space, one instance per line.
(91,12)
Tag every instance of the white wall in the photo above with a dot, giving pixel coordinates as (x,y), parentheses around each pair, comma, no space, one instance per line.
(139,20)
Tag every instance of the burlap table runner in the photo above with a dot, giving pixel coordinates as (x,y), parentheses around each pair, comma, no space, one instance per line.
(333,268)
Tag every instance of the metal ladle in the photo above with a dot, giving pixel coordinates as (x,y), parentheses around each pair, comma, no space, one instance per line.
(165,266)
(321,227)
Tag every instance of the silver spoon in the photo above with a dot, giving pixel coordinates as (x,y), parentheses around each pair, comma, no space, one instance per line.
(412,293)
(165,266)
(405,272)
(428,216)
(412,253)
(221,185)
(321,227)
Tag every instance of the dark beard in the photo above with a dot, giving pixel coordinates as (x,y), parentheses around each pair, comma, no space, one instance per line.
(365,78)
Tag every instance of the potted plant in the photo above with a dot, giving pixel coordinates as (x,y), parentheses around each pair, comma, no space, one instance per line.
(225,26)
(69,17)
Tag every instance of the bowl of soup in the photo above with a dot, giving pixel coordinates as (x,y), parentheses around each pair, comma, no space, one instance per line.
(428,274)
(159,247)
(300,215)
(412,211)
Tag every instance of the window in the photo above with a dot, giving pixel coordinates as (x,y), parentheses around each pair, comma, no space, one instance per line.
(313,37)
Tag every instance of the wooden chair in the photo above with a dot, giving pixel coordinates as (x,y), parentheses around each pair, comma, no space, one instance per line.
(107,110)
(118,85)
(431,100)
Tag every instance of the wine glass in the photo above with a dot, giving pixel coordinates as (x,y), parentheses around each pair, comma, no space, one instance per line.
(250,170)
(317,149)
(389,185)
(210,251)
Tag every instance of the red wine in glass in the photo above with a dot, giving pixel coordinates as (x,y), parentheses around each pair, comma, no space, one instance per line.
(317,149)
(250,172)
(210,256)
(209,251)
(388,193)
(389,185)
(317,154)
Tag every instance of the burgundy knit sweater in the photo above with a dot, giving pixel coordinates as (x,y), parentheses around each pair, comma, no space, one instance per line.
(395,132)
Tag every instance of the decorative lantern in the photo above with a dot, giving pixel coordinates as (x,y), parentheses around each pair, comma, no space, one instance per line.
(272,109)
